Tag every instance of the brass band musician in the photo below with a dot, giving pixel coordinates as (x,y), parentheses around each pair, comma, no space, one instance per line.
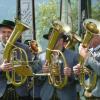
(6,28)
(49,92)
(92,62)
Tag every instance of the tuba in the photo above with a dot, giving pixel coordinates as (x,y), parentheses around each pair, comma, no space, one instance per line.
(20,67)
(53,56)
(92,27)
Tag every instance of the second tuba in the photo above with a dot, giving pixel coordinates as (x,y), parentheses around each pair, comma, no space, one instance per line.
(53,57)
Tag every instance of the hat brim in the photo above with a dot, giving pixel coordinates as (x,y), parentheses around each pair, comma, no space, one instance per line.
(2,25)
(46,36)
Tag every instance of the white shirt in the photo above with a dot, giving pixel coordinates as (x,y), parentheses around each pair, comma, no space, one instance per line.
(1,52)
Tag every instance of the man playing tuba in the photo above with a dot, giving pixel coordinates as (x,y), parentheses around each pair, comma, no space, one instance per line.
(92,62)
(68,92)
(88,67)
(6,28)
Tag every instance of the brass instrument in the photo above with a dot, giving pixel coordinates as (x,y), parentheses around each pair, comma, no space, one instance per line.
(92,27)
(34,47)
(52,56)
(19,67)
(75,38)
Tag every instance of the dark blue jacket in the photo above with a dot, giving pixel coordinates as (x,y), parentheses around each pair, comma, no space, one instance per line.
(69,91)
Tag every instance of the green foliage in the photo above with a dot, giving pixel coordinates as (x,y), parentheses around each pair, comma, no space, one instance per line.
(74,14)
(47,12)
(96,10)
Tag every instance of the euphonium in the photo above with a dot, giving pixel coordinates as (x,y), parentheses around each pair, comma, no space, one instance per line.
(92,27)
(10,48)
(52,56)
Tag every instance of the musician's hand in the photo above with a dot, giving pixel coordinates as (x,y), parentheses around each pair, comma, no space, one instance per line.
(45,68)
(67,71)
(76,69)
(6,66)
(83,51)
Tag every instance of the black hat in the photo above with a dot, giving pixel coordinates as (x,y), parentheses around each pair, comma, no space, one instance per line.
(49,33)
(7,23)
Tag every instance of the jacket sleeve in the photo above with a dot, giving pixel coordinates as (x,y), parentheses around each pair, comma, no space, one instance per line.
(73,78)
(93,64)
(76,58)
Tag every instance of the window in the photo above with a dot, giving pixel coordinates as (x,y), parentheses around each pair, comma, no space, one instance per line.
(7,9)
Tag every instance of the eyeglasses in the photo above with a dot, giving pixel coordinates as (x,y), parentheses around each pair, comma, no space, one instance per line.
(65,38)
